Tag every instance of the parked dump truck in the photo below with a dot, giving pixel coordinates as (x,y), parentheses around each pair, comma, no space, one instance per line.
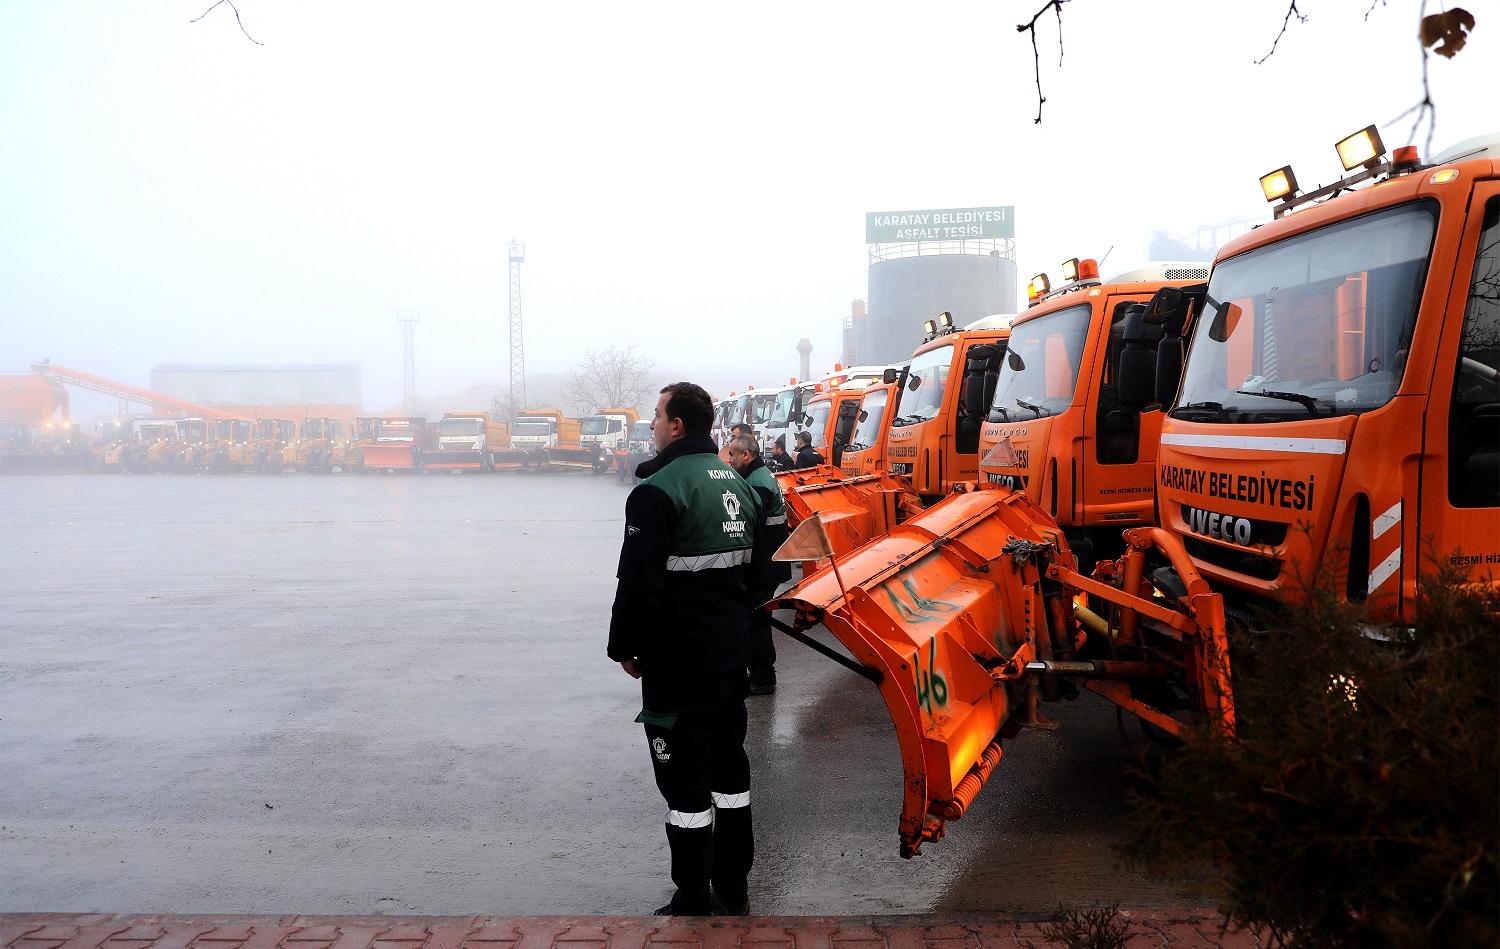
(534,432)
(1059,426)
(1341,396)
(601,435)
(467,441)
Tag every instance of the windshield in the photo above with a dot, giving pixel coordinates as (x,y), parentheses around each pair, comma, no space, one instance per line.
(459,426)
(817,427)
(1040,367)
(640,432)
(595,425)
(781,412)
(312,428)
(533,427)
(927,380)
(762,405)
(1312,326)
(869,429)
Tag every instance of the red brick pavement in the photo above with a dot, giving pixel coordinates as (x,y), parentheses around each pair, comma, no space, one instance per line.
(104,931)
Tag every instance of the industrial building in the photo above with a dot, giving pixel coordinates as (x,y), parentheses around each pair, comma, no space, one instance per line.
(962,260)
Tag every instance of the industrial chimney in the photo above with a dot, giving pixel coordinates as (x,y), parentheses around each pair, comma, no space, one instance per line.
(804,349)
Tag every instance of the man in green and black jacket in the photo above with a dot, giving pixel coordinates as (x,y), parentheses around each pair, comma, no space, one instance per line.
(765,574)
(680,625)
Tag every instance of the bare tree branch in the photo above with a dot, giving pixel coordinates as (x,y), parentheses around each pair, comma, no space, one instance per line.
(1036,56)
(613,377)
(1291,11)
(1425,107)
(236,19)
(1373,5)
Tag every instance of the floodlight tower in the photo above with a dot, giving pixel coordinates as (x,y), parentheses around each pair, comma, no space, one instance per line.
(408,320)
(517,343)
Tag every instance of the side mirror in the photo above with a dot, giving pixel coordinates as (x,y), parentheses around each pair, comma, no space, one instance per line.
(914,383)
(1226,318)
(889,376)
(863,414)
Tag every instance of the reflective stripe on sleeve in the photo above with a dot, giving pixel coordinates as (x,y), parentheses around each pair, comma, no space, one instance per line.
(727,801)
(691,819)
(775,519)
(730,558)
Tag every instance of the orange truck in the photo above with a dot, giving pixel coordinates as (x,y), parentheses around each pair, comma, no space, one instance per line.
(946,391)
(1060,427)
(398,445)
(533,432)
(865,453)
(467,441)
(1339,407)
(602,437)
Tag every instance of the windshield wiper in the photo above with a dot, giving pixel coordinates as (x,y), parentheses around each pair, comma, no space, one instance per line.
(1301,398)
(1001,410)
(1215,407)
(1027,405)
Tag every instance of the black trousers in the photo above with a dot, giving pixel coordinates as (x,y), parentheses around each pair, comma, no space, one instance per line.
(762,649)
(704,774)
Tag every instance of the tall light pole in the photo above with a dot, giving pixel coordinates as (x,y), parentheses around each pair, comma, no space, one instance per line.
(408,320)
(517,342)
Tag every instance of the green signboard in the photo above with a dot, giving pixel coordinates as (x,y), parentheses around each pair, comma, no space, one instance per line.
(944,224)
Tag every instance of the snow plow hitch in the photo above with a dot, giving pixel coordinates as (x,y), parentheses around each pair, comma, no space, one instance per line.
(968,615)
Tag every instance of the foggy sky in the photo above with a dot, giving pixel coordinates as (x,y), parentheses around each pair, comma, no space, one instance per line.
(691,178)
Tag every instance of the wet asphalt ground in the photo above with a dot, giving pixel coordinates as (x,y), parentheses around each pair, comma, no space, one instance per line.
(350,695)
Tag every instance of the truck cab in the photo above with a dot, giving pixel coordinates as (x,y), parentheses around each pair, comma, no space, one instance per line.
(934,437)
(603,437)
(865,453)
(1339,410)
(1060,428)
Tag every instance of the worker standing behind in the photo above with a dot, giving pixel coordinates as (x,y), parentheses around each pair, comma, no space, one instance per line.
(780,460)
(807,455)
(680,625)
(765,574)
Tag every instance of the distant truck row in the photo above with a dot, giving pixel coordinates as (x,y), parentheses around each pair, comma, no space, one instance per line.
(460,441)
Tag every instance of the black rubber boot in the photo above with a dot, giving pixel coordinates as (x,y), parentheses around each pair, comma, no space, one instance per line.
(692,859)
(734,854)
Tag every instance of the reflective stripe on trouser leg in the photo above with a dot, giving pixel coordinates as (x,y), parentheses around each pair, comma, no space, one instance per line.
(688,820)
(725,801)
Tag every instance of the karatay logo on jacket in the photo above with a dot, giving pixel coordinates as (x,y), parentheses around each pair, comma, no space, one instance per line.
(732,507)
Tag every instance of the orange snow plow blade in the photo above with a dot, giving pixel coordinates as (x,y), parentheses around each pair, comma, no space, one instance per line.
(854,510)
(966,618)
(797,477)
(397,455)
